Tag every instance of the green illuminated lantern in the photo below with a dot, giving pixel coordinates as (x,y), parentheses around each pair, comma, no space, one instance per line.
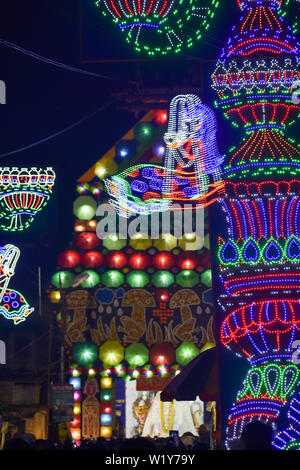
(206,278)
(63,279)
(162,279)
(187,278)
(92,280)
(186,352)
(143,132)
(137,354)
(112,278)
(113,242)
(85,353)
(84,207)
(111,353)
(137,279)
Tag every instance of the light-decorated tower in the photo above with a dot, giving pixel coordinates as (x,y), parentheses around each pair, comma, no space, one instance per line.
(259,255)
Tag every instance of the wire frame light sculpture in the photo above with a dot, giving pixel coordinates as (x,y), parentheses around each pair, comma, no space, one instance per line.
(23,194)
(160,26)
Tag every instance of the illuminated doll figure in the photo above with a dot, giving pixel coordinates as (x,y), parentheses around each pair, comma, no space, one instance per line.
(13,305)
(191,171)
(259,245)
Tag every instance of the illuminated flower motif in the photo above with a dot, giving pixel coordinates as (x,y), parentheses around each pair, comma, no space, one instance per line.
(23,193)
(261,327)
(161,26)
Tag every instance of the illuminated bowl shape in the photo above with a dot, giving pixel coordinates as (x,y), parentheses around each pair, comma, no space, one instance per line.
(92,259)
(112,278)
(84,207)
(68,259)
(162,354)
(111,353)
(14,307)
(62,279)
(160,26)
(85,353)
(187,278)
(137,354)
(91,281)
(23,194)
(162,279)
(262,327)
(137,279)
(186,352)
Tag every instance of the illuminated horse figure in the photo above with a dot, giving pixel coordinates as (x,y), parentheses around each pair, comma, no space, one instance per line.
(191,171)
(13,305)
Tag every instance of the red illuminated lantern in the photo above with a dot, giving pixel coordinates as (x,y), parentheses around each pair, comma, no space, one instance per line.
(92,259)
(87,241)
(139,261)
(162,355)
(69,259)
(163,260)
(105,407)
(76,422)
(160,117)
(116,260)
(187,261)
(162,295)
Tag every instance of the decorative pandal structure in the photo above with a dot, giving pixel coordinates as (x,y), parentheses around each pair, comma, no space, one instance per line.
(259,254)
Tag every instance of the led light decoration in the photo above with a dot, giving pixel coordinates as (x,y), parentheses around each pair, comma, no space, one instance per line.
(160,26)
(260,253)
(191,171)
(24,192)
(13,305)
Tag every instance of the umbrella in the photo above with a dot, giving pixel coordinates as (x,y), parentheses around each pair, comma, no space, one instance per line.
(198,378)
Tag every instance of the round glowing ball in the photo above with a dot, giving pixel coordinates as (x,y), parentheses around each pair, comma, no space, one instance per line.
(162,354)
(186,352)
(125,149)
(87,241)
(162,295)
(163,260)
(159,148)
(139,261)
(105,167)
(116,260)
(137,354)
(111,353)
(91,281)
(92,259)
(63,279)
(69,259)
(112,278)
(143,132)
(85,207)
(160,117)
(137,279)
(85,353)
(162,279)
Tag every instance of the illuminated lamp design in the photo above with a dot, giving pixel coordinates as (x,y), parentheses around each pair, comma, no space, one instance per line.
(112,278)
(258,257)
(162,279)
(125,149)
(160,27)
(137,279)
(84,353)
(116,260)
(159,149)
(63,279)
(139,261)
(105,167)
(92,259)
(162,355)
(23,194)
(163,260)
(162,295)
(55,296)
(160,117)
(13,305)
(84,207)
(191,170)
(140,241)
(137,354)
(87,241)
(69,259)
(92,280)
(186,352)
(165,242)
(187,278)
(113,242)
(111,353)
(187,261)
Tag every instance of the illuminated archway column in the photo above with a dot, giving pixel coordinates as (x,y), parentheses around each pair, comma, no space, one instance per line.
(259,245)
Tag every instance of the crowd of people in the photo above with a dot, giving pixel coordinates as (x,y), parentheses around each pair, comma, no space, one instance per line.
(256,436)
